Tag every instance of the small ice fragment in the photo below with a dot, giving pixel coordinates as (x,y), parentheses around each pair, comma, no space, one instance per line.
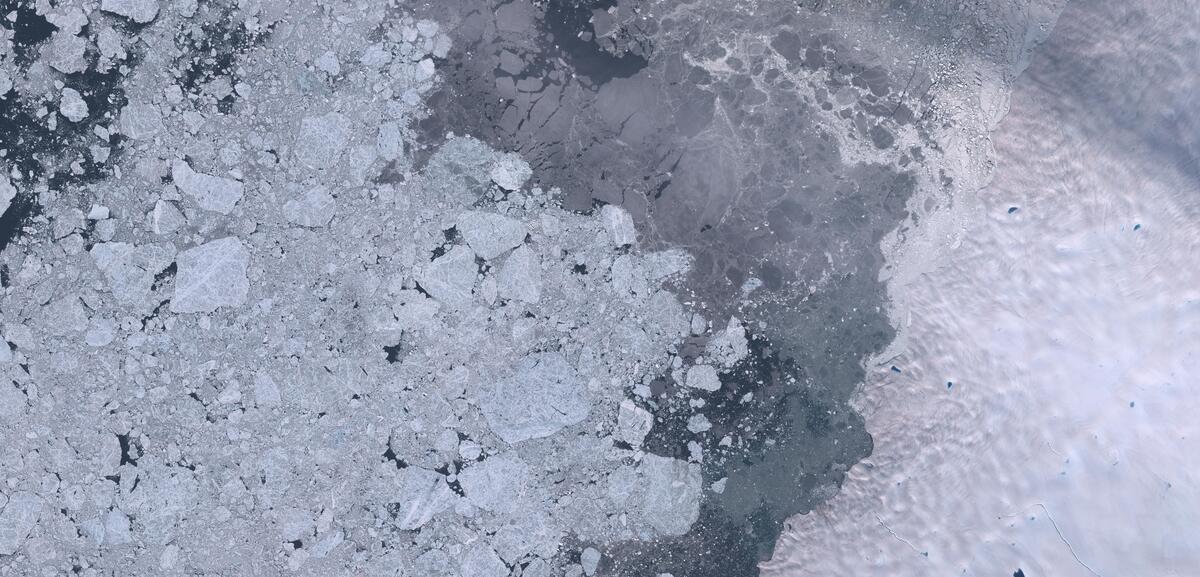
(389,143)
(72,106)
(314,207)
(321,139)
(703,377)
(671,502)
(65,53)
(98,212)
(117,528)
(266,392)
(590,559)
(422,494)
(211,192)
(451,277)
(140,121)
(130,269)
(167,218)
(619,224)
(718,486)
(482,561)
(211,276)
(424,70)
(698,423)
(328,63)
(229,395)
(168,557)
(140,11)
(633,423)
(496,483)
(102,332)
(521,277)
(490,234)
(543,395)
(730,345)
(17,520)
(469,450)
(7,193)
(427,28)
(511,172)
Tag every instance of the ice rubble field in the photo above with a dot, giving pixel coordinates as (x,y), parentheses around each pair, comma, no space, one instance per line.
(384,364)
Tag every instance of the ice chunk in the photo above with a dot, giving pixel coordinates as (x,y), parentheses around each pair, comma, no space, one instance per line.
(633,423)
(167,218)
(7,193)
(590,559)
(528,531)
(619,224)
(102,332)
(321,139)
(328,63)
(703,377)
(511,171)
(481,561)
(293,523)
(211,276)
(543,395)
(521,277)
(665,316)
(211,192)
(131,269)
(671,502)
(140,121)
(266,392)
(72,106)
(109,43)
(17,520)
(65,316)
(422,495)
(116,528)
(434,562)
(451,276)
(65,53)
(313,207)
(490,234)
(698,423)
(469,450)
(496,483)
(140,11)
(537,568)
(730,345)
(389,144)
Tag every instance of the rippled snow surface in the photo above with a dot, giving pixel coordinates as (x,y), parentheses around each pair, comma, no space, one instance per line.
(1045,419)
